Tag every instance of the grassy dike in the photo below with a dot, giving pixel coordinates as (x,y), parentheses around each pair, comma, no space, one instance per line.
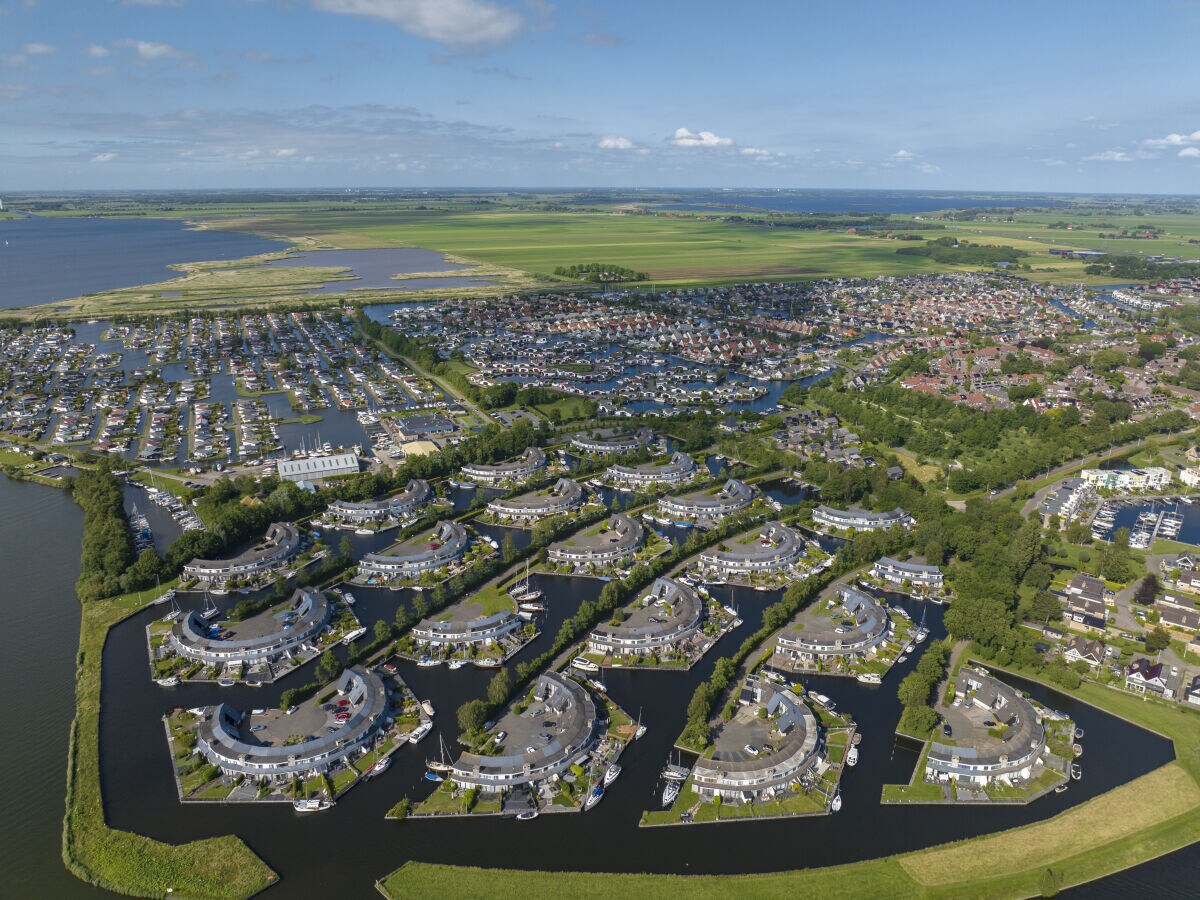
(121,861)
(1146,818)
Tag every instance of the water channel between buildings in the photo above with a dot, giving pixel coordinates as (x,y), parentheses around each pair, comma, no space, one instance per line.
(354,845)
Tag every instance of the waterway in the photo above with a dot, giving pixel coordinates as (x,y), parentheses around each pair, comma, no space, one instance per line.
(376,269)
(43,259)
(345,849)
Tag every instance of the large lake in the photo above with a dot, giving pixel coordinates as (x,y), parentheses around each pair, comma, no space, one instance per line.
(46,259)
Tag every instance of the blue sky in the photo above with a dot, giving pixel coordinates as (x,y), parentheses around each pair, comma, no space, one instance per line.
(1070,96)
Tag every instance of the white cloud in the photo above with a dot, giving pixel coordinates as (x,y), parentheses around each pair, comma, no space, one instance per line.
(285,152)
(755,152)
(685,138)
(153,50)
(903,155)
(97,51)
(34,48)
(615,143)
(928,168)
(103,157)
(1173,140)
(1109,156)
(1190,153)
(445,21)
(1052,161)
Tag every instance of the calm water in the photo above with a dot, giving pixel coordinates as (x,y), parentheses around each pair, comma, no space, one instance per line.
(374,269)
(899,202)
(47,259)
(41,523)
(40,530)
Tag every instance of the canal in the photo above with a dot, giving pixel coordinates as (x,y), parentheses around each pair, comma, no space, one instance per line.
(346,849)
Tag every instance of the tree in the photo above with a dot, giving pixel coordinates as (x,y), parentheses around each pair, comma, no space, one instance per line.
(913,690)
(382,630)
(1158,639)
(921,718)
(472,715)
(1046,606)
(499,687)
(508,549)
(328,667)
(1146,590)
(345,548)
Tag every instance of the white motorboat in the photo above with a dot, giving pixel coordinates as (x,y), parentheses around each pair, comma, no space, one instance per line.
(427,707)
(593,798)
(456,663)
(419,733)
(870,678)
(611,775)
(348,597)
(353,636)
(836,805)
(852,757)
(169,681)
(382,766)
(527,815)
(584,665)
(428,662)
(313,804)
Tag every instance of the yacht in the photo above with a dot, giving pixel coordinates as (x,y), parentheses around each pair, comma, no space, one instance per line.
(593,798)
(670,793)
(852,757)
(427,707)
(611,775)
(836,805)
(421,730)
(487,662)
(456,663)
(382,766)
(169,681)
(870,678)
(428,662)
(584,665)
(348,597)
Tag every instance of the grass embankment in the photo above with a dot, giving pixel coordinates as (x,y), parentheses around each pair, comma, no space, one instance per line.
(122,861)
(1146,818)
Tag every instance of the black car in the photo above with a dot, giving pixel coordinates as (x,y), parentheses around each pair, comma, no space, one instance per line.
(947,730)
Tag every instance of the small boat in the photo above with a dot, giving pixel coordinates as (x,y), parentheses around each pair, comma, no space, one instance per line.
(836,805)
(901,658)
(584,665)
(226,682)
(611,775)
(348,598)
(427,662)
(353,636)
(421,730)
(598,685)
(870,678)
(531,606)
(1076,772)
(382,766)
(909,648)
(169,681)
(593,798)
(456,663)
(314,804)
(487,662)
(921,635)
(1061,789)
(1077,749)
(1078,733)
(670,793)
(427,707)
(432,776)
(527,815)
(641,731)
(363,531)
(852,757)
(452,482)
